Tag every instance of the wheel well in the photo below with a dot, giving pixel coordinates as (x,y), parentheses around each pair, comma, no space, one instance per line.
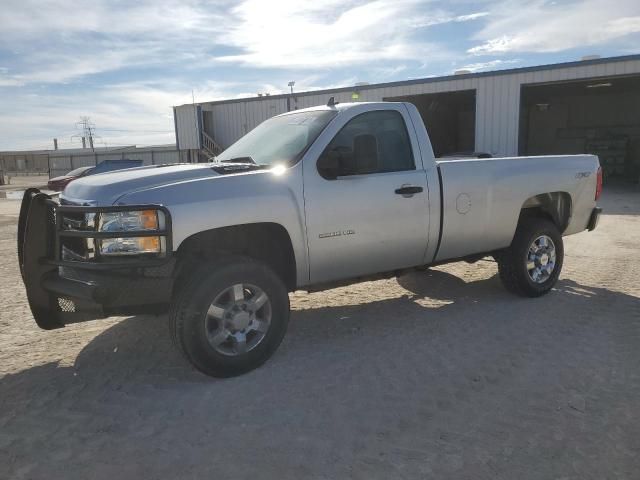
(267,242)
(555,206)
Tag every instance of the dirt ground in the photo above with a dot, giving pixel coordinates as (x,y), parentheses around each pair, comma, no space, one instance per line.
(22,182)
(440,374)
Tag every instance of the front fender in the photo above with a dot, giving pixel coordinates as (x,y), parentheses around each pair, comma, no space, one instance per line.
(238,199)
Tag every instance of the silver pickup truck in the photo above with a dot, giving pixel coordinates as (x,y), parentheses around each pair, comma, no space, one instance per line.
(310,200)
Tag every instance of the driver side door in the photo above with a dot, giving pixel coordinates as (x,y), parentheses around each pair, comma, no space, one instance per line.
(366,199)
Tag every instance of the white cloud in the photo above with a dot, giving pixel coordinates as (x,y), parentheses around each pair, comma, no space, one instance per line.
(624,26)
(488,65)
(330,33)
(543,26)
(33,18)
(495,45)
(9,81)
(124,114)
(57,55)
(60,41)
(471,16)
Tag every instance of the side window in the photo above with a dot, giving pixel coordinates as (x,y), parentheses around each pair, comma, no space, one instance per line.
(372,142)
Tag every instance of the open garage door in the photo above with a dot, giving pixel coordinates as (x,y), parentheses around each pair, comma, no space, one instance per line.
(450,119)
(600,116)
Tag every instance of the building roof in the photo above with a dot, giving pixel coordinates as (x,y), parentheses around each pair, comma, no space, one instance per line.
(509,71)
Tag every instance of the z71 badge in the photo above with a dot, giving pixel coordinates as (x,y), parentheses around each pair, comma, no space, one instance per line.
(337,234)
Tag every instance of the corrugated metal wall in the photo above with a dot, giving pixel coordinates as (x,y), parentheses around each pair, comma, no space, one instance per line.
(497,97)
(27,163)
(187,120)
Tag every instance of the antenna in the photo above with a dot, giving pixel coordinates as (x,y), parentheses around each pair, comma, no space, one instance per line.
(332,102)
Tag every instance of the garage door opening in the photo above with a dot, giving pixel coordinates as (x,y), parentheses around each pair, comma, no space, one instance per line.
(450,119)
(598,116)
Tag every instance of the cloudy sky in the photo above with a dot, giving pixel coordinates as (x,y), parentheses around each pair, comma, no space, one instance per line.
(125,63)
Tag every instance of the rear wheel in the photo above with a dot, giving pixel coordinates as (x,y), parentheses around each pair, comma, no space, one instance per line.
(231,317)
(531,265)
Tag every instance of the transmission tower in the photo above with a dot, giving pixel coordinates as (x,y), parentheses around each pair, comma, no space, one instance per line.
(88,131)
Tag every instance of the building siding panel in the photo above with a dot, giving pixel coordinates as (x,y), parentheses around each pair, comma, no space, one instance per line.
(187,130)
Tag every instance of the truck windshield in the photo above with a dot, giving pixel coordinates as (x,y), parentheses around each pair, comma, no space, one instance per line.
(279,140)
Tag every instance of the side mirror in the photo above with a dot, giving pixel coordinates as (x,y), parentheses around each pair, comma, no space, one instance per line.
(329,164)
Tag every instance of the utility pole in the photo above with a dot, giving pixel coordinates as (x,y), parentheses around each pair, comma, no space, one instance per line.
(290,85)
(55,143)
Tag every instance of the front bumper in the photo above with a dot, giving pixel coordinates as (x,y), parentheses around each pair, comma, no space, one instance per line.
(62,291)
(594,219)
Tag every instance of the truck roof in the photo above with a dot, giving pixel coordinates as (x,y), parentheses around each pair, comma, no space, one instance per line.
(337,106)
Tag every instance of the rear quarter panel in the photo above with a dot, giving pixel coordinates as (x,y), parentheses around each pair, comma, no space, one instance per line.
(482,198)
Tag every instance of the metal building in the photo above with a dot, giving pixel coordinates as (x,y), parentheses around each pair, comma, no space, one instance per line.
(590,105)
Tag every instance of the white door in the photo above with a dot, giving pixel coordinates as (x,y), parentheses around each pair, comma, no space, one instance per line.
(368,211)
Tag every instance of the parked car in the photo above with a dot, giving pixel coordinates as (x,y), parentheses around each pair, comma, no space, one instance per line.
(58,184)
(309,199)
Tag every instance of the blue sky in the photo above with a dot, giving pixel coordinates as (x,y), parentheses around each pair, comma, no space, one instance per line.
(125,63)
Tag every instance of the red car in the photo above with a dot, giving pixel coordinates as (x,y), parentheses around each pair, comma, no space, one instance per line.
(57,184)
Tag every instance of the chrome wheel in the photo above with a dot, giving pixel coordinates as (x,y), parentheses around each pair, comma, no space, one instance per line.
(541,259)
(238,319)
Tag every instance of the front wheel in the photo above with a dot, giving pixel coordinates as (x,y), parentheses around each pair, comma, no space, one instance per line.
(231,317)
(531,265)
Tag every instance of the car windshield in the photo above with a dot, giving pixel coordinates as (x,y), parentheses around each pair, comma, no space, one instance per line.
(78,171)
(280,140)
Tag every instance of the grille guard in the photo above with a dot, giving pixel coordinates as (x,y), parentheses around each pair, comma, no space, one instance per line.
(39,254)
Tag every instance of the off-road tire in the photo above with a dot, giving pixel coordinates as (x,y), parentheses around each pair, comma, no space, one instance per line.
(188,312)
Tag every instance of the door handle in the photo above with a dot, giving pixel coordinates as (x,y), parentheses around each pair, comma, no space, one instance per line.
(408,190)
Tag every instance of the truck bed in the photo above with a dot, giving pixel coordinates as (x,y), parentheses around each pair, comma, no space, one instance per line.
(481,199)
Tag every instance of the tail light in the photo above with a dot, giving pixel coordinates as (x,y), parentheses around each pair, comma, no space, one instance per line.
(599,184)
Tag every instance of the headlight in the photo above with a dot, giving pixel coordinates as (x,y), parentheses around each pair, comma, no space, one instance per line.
(144,220)
(138,221)
(130,246)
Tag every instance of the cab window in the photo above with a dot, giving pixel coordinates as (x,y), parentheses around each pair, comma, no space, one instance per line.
(373,142)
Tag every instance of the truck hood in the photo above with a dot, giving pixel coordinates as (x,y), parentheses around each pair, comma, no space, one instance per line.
(106,188)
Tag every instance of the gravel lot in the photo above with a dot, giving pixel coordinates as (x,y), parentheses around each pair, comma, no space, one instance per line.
(440,374)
